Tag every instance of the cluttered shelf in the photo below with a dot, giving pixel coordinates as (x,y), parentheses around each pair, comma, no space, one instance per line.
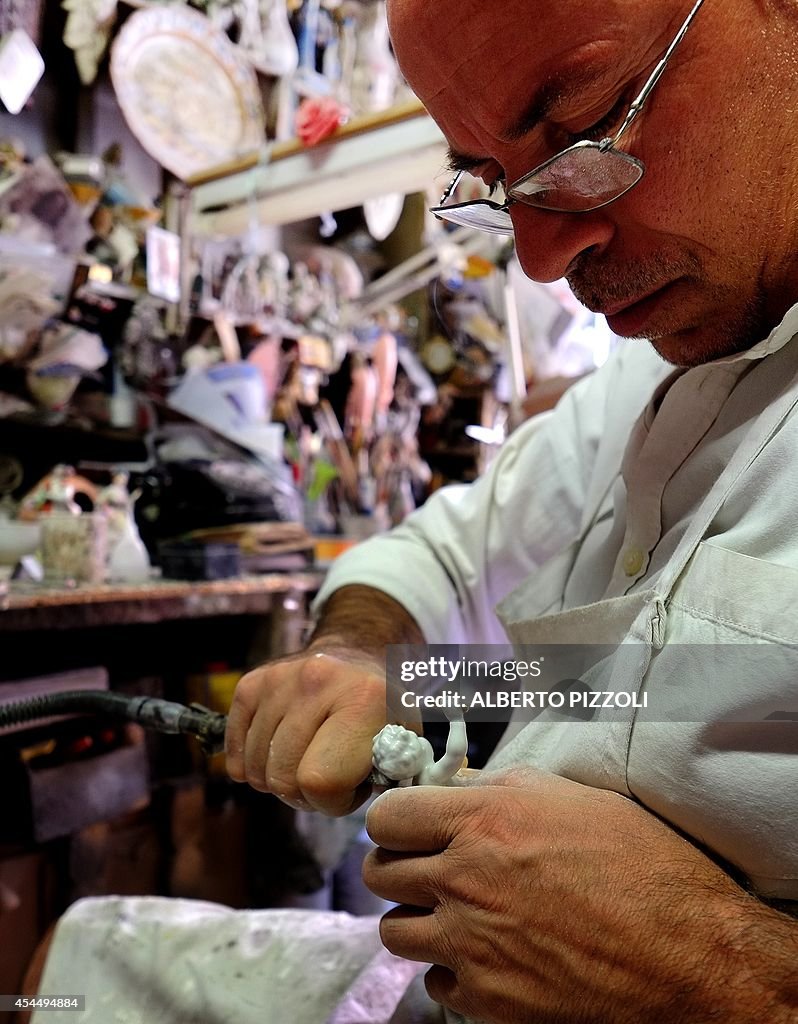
(398,150)
(24,606)
(361,125)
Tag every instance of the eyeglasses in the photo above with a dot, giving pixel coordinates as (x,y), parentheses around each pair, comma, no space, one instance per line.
(582,178)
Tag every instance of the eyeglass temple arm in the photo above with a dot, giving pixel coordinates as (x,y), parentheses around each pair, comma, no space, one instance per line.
(645,92)
(451,187)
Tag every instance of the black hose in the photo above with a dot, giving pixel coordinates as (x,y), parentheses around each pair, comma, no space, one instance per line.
(69,702)
(152,712)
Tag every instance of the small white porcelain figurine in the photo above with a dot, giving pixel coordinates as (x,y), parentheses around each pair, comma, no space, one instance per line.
(398,754)
(114,501)
(128,560)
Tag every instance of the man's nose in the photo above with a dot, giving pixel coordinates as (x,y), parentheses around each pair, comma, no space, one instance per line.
(547,242)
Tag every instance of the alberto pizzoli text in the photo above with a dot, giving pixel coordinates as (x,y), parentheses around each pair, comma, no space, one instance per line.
(532,699)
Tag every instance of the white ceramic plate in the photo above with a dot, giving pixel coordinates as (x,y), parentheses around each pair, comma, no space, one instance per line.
(189,97)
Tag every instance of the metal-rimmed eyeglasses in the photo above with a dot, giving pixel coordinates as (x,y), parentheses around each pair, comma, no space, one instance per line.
(584,177)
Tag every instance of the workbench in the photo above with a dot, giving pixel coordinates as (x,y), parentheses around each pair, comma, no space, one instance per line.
(148,638)
(28,606)
(141,618)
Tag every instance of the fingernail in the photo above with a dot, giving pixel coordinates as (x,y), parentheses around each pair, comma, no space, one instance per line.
(380,798)
(298,805)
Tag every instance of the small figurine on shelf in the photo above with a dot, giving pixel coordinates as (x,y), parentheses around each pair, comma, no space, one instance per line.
(73,541)
(361,403)
(114,501)
(261,30)
(55,495)
(399,754)
(305,293)
(128,560)
(375,75)
(86,33)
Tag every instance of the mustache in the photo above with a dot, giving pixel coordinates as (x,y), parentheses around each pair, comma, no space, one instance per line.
(599,284)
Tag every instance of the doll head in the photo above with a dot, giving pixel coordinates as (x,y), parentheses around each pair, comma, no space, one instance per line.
(399,753)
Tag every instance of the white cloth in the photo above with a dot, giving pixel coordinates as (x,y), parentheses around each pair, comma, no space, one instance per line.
(141,960)
(654,506)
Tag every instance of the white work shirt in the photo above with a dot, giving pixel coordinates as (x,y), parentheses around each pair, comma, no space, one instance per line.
(451,562)
(659,503)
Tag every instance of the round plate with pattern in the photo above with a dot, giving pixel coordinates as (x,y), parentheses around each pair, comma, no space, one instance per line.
(188,95)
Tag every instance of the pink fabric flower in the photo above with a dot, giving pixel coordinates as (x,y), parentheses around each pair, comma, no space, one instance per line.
(317,118)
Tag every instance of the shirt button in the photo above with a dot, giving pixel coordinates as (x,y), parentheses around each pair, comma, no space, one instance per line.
(633,561)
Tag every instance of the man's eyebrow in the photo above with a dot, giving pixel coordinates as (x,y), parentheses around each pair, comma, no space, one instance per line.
(559,88)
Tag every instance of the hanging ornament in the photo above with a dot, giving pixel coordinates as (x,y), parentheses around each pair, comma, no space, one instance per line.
(86,33)
(21,64)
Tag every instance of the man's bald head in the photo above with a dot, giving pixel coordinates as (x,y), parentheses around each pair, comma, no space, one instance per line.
(452,31)
(708,237)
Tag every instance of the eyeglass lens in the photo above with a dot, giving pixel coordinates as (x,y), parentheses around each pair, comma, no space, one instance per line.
(579,180)
(477,215)
(576,181)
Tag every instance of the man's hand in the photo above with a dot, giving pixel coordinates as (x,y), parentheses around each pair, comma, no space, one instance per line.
(538,899)
(302,727)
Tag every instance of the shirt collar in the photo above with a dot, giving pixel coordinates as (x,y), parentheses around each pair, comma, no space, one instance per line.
(776,340)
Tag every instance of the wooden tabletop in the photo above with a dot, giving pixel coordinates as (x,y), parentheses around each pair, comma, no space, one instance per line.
(29,606)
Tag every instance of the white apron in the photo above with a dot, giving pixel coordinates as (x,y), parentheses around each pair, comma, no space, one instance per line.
(732,786)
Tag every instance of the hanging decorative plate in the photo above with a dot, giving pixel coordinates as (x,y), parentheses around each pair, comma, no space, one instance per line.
(189,97)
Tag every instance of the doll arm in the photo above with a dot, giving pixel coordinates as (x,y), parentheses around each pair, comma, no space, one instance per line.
(440,773)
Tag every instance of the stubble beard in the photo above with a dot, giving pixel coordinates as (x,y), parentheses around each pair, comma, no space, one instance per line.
(732,328)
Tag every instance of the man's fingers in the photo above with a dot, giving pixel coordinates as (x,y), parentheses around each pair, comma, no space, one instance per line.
(415,934)
(442,987)
(336,763)
(289,740)
(417,819)
(402,878)
(427,818)
(291,707)
(242,710)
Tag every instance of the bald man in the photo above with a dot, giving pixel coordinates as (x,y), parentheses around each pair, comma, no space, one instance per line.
(647,153)
(622,870)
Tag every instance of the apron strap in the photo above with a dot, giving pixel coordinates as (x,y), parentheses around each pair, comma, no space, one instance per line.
(767,425)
